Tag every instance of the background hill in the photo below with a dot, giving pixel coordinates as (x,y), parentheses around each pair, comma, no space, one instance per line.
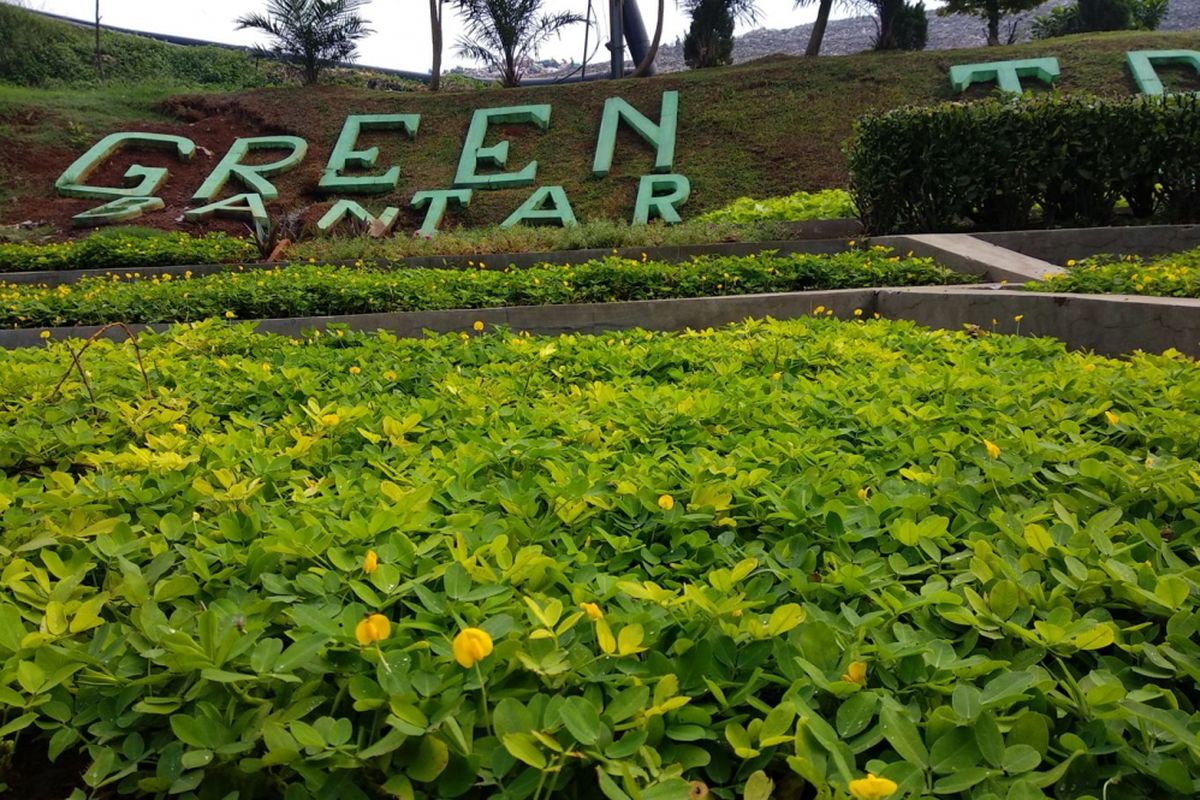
(770,127)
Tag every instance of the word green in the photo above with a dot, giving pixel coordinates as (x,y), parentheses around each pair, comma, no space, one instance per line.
(1007,74)
(658,196)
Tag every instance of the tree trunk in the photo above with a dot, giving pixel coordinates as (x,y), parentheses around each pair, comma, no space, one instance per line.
(818,31)
(652,53)
(99,56)
(435,24)
(994,26)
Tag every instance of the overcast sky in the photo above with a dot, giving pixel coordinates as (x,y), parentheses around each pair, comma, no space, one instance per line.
(402,37)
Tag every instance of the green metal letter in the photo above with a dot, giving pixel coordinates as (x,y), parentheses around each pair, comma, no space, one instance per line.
(253,176)
(377,226)
(140,181)
(122,209)
(661,136)
(1006,74)
(437,201)
(344,155)
(649,203)
(475,154)
(239,206)
(1142,62)
(534,209)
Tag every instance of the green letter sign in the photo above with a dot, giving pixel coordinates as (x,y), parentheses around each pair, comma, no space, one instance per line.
(122,209)
(376,226)
(239,206)
(1142,62)
(1006,74)
(141,181)
(535,209)
(661,136)
(253,175)
(660,205)
(474,153)
(344,155)
(437,201)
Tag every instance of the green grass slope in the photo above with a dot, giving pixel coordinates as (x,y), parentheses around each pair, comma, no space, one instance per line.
(767,128)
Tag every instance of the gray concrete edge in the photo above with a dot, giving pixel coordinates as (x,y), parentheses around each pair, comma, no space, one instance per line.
(1111,325)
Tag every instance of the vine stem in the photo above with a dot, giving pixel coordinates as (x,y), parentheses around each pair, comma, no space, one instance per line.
(76,356)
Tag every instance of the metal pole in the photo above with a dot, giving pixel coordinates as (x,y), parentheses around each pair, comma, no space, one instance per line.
(587,27)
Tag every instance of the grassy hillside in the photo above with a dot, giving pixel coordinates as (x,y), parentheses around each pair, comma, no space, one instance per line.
(767,128)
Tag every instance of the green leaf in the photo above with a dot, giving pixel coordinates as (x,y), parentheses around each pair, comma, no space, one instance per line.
(855,713)
(1020,758)
(758,786)
(581,719)
(524,748)
(902,735)
(432,757)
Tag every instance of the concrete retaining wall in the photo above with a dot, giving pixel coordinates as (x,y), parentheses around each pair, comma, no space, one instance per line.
(1111,325)
(1058,246)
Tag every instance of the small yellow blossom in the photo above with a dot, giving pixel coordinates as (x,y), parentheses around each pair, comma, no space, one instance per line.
(872,788)
(666,502)
(1018,317)
(1112,418)
(992,449)
(775,376)
(819,310)
(592,610)
(1071,262)
(45,334)
(329,420)
(180,427)
(1089,367)
(370,562)
(478,326)
(858,312)
(389,375)
(230,315)
(195,516)
(355,370)
(856,673)
(863,492)
(372,629)
(471,645)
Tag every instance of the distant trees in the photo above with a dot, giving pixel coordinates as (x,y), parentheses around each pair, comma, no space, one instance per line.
(709,40)
(506,34)
(1100,15)
(311,33)
(991,10)
(900,26)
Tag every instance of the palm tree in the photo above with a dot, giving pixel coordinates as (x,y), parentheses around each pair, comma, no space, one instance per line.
(818,32)
(506,34)
(312,33)
(436,15)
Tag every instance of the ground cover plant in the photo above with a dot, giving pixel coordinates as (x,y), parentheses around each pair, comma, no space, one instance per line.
(826,204)
(490,565)
(313,290)
(126,248)
(492,239)
(1176,275)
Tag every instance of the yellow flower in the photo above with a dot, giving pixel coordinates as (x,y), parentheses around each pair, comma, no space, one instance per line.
(1018,317)
(775,376)
(471,645)
(1071,262)
(872,788)
(593,611)
(666,502)
(372,629)
(329,420)
(355,370)
(45,334)
(856,673)
(195,516)
(1089,367)
(478,326)
(370,562)
(992,449)
(180,427)
(819,310)
(858,312)
(389,375)
(1112,418)
(863,492)
(230,315)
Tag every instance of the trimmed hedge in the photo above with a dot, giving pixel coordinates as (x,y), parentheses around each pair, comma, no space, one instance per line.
(993,164)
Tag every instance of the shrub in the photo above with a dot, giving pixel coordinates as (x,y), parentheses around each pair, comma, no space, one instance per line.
(808,550)
(122,248)
(827,204)
(1100,15)
(989,164)
(318,291)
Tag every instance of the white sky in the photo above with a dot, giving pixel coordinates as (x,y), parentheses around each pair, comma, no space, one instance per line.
(401,40)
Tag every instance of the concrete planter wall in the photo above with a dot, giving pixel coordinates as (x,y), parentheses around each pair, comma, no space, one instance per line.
(1107,324)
